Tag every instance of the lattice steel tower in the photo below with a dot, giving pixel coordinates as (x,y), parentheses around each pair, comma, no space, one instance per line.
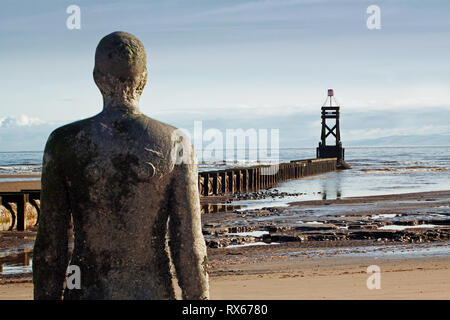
(331,112)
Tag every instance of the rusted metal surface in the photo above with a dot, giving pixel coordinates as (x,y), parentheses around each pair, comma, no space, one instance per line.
(331,113)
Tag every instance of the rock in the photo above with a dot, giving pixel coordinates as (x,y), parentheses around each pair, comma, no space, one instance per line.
(6,219)
(315,227)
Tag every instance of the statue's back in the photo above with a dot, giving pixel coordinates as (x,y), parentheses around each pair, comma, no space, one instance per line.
(119,174)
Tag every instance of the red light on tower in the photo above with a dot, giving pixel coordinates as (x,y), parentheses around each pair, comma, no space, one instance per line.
(330,92)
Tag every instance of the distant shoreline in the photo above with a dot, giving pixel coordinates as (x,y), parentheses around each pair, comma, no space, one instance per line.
(20,176)
(16,186)
(348,146)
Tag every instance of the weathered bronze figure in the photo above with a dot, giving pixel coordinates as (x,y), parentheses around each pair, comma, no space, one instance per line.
(128,181)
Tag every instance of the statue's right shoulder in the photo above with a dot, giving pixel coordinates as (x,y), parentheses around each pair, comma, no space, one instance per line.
(64,136)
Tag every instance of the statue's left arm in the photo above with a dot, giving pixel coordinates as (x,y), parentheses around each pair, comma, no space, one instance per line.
(186,239)
(50,254)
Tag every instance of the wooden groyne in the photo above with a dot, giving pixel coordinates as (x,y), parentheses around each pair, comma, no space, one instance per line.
(248,179)
(20,210)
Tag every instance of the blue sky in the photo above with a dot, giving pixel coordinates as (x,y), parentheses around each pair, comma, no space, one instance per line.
(235,62)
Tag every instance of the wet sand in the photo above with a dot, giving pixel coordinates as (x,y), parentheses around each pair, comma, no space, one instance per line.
(336,278)
(15,186)
(399,218)
(331,268)
(322,278)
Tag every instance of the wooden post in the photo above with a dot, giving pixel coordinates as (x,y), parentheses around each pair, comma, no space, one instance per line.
(251,179)
(206,183)
(258,179)
(200,184)
(232,178)
(21,202)
(224,182)
(215,184)
(245,180)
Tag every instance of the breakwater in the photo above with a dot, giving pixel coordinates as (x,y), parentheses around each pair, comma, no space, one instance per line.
(248,179)
(20,210)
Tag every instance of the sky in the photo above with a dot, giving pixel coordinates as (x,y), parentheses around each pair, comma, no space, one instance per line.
(248,64)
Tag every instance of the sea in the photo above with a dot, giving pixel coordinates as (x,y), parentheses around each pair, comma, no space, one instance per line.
(375,171)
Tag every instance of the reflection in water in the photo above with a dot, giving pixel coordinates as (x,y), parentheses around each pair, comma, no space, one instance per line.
(331,188)
(218,208)
(16,263)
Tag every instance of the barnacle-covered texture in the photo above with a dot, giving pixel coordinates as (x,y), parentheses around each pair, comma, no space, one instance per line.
(130,184)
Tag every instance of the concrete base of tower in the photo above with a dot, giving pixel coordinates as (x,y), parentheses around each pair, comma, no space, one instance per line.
(333,152)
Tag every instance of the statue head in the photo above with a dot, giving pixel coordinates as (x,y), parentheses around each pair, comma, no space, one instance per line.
(120,70)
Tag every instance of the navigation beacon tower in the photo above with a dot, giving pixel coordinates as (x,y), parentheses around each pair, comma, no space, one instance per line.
(331,112)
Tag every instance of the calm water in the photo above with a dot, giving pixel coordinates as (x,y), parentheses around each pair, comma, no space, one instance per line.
(20,162)
(16,263)
(375,171)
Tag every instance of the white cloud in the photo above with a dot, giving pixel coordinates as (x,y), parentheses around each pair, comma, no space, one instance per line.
(21,121)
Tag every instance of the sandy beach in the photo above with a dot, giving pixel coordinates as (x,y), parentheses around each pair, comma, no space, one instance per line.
(14,186)
(322,278)
(326,257)
(338,278)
